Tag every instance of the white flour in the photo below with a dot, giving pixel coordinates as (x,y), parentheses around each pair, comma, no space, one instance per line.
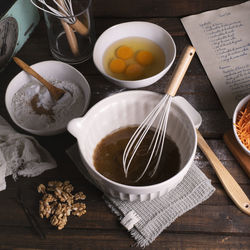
(69,106)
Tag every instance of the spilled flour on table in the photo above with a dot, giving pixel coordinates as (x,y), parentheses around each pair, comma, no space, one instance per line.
(69,106)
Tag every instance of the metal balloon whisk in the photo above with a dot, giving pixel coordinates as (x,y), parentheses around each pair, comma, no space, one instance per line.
(64,10)
(159,113)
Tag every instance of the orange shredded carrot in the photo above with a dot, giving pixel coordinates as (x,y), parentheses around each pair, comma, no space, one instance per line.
(243,125)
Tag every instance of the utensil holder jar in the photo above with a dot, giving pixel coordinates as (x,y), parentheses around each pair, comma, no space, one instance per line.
(71,38)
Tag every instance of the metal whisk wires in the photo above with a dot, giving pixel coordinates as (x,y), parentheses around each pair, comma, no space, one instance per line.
(158,115)
(161,110)
(65,10)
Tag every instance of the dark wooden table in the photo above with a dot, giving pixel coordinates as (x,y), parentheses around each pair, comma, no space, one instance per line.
(215,224)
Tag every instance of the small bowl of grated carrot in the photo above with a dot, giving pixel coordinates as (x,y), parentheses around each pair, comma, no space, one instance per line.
(241,123)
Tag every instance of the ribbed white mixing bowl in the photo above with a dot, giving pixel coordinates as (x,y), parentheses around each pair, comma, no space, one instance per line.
(130,108)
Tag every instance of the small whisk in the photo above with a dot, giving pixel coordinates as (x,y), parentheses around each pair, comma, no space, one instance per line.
(65,11)
(160,112)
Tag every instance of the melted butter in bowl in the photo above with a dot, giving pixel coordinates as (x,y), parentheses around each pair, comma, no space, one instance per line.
(127,109)
(109,152)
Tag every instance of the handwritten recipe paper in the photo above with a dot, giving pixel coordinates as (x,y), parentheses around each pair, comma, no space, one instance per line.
(222,41)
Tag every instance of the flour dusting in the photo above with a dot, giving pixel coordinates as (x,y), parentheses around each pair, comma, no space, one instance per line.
(69,106)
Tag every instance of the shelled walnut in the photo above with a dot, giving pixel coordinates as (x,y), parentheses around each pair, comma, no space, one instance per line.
(58,202)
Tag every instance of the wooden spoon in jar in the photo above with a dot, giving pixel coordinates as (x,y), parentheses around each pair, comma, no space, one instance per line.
(55,92)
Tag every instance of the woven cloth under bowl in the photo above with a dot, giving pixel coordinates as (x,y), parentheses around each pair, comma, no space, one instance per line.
(152,217)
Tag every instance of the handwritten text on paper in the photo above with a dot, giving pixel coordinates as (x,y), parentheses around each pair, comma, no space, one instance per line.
(222,40)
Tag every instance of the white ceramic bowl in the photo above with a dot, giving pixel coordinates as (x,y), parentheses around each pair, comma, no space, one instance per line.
(49,70)
(130,108)
(236,111)
(135,29)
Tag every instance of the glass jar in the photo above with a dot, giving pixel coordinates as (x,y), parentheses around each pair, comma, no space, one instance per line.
(71,36)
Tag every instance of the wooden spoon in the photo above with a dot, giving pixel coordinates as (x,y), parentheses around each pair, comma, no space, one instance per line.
(230,185)
(55,92)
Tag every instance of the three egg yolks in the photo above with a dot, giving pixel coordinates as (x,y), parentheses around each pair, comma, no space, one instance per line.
(133,70)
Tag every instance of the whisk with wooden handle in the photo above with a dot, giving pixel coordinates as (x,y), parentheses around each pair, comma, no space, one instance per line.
(159,113)
(64,10)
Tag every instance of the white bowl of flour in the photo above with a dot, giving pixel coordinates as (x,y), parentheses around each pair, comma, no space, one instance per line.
(23,87)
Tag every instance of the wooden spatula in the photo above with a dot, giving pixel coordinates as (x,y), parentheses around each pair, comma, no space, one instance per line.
(230,185)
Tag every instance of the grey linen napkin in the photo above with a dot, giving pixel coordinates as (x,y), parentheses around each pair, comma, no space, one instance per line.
(152,217)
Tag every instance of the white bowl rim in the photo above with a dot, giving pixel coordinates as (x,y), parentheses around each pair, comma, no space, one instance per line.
(134,81)
(130,186)
(49,131)
(240,104)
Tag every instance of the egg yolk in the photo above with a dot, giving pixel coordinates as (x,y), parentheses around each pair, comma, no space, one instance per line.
(117,65)
(144,57)
(133,71)
(124,52)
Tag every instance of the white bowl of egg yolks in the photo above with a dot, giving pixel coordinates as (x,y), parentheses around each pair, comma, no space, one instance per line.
(134,54)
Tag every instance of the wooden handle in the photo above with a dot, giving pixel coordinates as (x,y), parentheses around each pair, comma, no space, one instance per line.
(80,27)
(77,25)
(71,37)
(230,185)
(180,70)
(55,92)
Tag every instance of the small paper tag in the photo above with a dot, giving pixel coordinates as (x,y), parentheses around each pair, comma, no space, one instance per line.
(130,220)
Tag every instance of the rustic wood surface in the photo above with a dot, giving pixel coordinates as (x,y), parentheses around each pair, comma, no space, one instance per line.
(215,224)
